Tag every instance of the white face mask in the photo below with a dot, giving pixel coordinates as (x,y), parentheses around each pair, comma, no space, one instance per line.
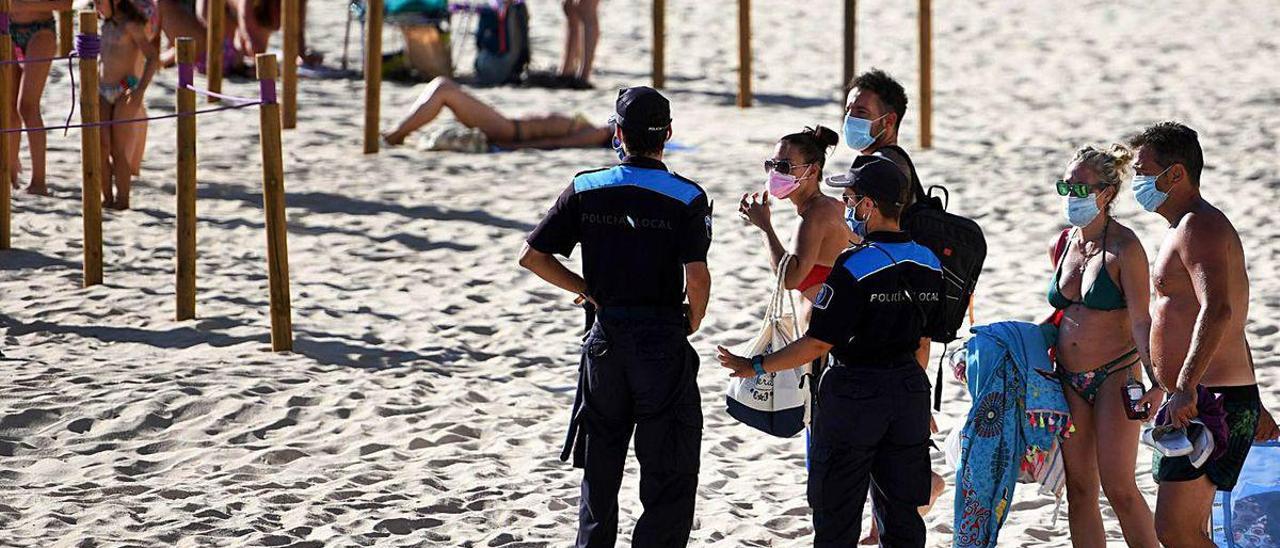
(1082,211)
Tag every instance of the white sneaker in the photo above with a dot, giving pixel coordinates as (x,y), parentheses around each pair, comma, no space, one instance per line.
(1169,441)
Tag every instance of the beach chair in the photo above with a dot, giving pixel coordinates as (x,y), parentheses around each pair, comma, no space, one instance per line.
(1249,515)
(426,31)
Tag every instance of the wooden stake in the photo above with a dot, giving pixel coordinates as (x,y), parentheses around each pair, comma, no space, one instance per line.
(659,43)
(90,158)
(850,42)
(213,47)
(186,257)
(8,141)
(372,75)
(926,74)
(66,32)
(273,204)
(289,79)
(744,53)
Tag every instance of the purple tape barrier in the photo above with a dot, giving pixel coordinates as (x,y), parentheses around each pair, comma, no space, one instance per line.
(88,46)
(267,89)
(4,23)
(130,121)
(186,75)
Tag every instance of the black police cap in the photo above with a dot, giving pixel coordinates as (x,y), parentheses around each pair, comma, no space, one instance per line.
(642,108)
(873,176)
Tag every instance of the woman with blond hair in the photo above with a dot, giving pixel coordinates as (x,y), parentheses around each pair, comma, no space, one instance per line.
(1100,289)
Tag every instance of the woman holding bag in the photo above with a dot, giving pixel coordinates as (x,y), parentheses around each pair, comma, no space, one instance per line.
(794,173)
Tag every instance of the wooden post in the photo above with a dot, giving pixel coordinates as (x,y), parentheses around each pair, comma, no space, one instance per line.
(744,53)
(289,79)
(66,32)
(926,74)
(213,47)
(90,158)
(186,256)
(7,122)
(372,75)
(7,142)
(850,42)
(273,204)
(659,43)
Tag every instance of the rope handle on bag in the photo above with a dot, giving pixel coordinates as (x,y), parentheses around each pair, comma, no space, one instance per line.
(780,292)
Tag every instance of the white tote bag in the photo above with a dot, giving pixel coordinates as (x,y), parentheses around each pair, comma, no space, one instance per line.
(774,403)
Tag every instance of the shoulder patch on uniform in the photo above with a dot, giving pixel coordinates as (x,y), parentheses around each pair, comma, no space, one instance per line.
(823,299)
(708,226)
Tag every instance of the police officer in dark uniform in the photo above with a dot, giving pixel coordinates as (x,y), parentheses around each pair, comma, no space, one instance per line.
(644,232)
(878,308)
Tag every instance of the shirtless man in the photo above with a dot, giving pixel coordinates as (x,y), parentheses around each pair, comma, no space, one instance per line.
(1198,314)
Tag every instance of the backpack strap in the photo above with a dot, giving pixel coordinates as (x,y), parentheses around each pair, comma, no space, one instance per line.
(917,189)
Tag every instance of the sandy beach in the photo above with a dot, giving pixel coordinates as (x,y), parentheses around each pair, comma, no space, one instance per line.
(429,390)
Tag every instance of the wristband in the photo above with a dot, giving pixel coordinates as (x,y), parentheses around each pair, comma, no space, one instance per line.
(757,364)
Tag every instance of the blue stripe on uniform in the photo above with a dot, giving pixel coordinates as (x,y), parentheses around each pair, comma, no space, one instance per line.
(868,261)
(654,180)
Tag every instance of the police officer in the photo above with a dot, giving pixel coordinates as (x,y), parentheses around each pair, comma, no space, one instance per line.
(875,314)
(644,233)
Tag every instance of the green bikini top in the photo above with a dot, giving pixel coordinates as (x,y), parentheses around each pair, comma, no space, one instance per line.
(1104,294)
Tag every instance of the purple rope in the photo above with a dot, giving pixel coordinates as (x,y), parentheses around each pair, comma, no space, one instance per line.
(130,121)
(36,60)
(4,23)
(88,46)
(232,98)
(186,75)
(267,89)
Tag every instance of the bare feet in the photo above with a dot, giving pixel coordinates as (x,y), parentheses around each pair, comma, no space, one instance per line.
(38,188)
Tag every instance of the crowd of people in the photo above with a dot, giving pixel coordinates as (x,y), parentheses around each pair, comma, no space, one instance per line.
(873,308)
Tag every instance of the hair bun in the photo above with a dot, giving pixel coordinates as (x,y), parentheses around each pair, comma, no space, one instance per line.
(825,136)
(1123,157)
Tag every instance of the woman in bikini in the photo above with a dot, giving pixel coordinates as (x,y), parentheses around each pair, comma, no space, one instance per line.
(130,36)
(545,131)
(34,34)
(794,173)
(1100,289)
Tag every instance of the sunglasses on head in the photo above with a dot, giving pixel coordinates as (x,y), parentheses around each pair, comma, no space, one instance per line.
(782,166)
(1078,190)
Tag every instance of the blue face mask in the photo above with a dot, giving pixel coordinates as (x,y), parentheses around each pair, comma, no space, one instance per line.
(1145,191)
(858,226)
(1082,211)
(857,132)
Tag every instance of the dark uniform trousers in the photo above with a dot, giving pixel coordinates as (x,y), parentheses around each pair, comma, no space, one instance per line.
(870,429)
(638,372)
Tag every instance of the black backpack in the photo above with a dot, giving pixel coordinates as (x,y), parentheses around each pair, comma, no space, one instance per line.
(959,244)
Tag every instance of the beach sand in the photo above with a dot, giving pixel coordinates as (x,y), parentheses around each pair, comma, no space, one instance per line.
(427,398)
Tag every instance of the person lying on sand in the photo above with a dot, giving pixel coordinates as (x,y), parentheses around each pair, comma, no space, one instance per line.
(547,131)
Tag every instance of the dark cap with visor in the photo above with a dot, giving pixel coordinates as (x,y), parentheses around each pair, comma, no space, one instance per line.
(875,177)
(642,108)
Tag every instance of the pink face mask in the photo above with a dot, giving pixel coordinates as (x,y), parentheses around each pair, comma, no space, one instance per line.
(781,185)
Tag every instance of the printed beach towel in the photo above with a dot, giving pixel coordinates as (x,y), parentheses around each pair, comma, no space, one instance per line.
(1249,515)
(1012,434)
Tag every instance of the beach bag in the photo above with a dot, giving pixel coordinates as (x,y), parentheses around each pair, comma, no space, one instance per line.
(502,44)
(774,403)
(1248,516)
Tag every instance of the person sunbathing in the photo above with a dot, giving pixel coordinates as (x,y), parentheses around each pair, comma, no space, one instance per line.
(547,131)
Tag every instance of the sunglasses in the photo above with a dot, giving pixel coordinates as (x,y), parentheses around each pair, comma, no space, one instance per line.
(1078,190)
(782,166)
